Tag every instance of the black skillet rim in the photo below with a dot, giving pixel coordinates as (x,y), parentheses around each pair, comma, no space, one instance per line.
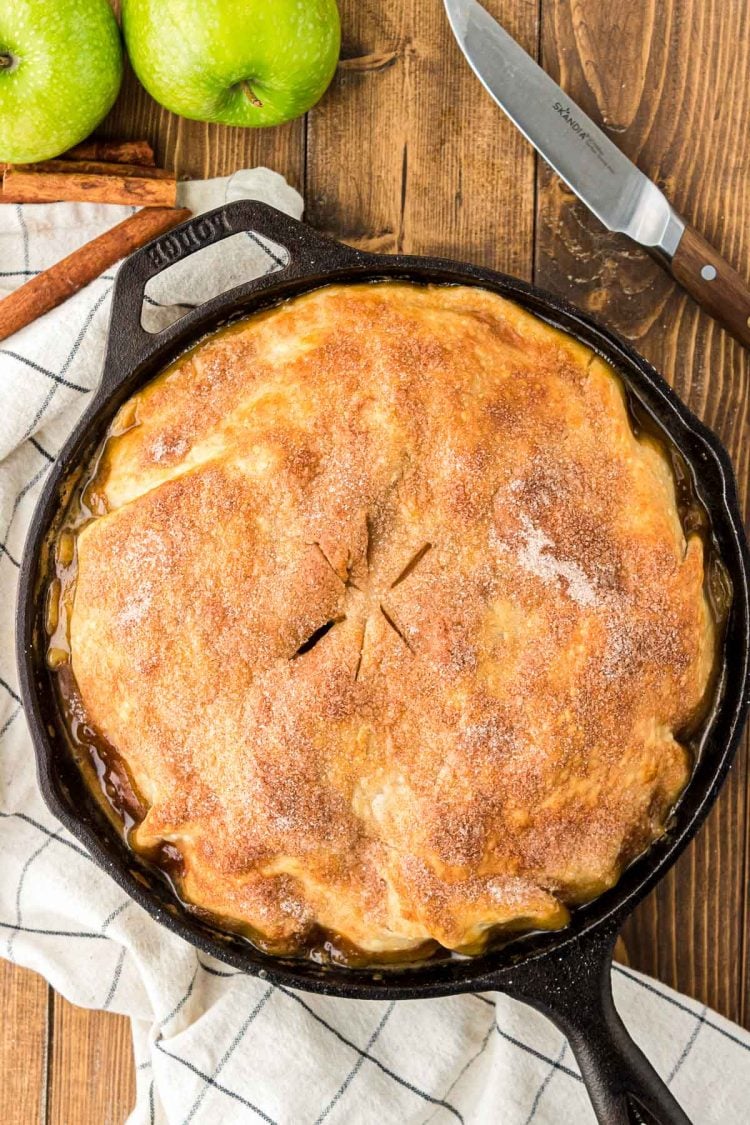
(318,261)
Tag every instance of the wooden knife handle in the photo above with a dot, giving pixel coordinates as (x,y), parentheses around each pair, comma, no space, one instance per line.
(712,282)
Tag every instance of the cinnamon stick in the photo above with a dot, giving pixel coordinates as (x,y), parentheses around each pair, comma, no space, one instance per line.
(119,152)
(138,153)
(26,185)
(55,285)
(96,168)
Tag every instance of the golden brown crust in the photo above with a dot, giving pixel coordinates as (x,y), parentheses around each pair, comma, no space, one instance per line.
(487,731)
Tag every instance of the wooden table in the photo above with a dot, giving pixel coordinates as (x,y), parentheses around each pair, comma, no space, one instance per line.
(407,154)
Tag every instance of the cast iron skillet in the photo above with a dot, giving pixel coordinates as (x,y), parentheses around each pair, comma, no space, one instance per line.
(566,974)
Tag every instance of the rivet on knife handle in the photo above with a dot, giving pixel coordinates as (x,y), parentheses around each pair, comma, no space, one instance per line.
(712,282)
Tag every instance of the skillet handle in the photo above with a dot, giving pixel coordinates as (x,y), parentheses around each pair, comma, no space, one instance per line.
(576,994)
(307,254)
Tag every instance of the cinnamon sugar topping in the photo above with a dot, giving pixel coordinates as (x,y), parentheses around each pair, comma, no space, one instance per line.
(392,620)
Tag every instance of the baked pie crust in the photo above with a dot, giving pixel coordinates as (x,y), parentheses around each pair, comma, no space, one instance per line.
(391,617)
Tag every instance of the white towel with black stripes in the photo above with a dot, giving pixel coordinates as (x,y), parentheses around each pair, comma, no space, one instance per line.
(211,1044)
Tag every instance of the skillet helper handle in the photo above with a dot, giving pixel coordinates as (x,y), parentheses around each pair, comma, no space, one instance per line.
(712,282)
(129,342)
(576,994)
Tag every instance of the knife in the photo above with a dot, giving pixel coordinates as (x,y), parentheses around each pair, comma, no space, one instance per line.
(610,185)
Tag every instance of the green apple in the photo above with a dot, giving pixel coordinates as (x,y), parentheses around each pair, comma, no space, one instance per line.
(60,70)
(236,62)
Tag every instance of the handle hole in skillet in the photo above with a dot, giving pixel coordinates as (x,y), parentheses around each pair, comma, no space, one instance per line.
(193,280)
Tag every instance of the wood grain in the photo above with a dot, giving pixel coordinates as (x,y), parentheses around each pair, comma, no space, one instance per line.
(23,1045)
(406,153)
(92,1081)
(688,127)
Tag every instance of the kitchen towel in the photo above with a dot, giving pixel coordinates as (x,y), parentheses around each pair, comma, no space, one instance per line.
(212,1044)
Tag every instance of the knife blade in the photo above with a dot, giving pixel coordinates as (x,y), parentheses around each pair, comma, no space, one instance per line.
(604,179)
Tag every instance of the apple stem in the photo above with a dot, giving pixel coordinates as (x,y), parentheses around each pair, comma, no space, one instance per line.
(250,94)
(6,61)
